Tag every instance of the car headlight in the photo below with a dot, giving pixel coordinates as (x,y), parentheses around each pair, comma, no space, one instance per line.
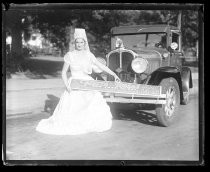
(165,55)
(96,69)
(139,65)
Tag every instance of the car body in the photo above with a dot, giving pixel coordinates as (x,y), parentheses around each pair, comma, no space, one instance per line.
(161,48)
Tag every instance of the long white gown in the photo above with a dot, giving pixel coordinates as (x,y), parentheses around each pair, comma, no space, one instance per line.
(78,112)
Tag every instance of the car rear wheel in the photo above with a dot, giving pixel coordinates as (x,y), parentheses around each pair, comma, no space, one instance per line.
(186,95)
(167,113)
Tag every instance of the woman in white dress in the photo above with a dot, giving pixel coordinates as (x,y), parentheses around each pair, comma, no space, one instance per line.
(79,112)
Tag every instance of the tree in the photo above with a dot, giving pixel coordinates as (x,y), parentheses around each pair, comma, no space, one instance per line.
(58,30)
(16,23)
(188,19)
(96,22)
(13,25)
(189,28)
(56,25)
(101,23)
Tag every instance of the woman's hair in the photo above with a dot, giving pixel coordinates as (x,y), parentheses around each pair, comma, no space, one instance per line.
(80,38)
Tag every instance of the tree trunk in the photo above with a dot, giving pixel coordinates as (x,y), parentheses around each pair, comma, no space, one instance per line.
(16,33)
(179,20)
(14,24)
(71,43)
(62,48)
(16,47)
(69,38)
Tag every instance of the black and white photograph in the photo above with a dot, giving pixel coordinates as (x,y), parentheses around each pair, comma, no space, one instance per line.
(103,84)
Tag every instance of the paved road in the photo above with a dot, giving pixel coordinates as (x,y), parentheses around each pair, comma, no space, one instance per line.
(133,136)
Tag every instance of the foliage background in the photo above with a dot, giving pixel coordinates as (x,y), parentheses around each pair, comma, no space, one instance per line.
(56,25)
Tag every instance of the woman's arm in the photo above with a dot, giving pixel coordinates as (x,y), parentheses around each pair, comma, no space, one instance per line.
(64,75)
(106,69)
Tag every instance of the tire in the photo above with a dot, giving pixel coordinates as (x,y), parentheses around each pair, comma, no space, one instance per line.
(167,114)
(186,99)
(186,95)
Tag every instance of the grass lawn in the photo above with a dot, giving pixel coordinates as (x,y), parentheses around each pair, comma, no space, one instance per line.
(43,67)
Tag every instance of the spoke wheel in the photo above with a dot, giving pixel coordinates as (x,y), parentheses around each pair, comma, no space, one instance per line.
(167,113)
(170,101)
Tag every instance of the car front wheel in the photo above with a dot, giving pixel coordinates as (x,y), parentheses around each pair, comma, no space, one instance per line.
(167,113)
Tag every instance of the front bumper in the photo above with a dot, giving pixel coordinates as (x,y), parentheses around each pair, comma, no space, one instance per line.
(149,99)
(122,92)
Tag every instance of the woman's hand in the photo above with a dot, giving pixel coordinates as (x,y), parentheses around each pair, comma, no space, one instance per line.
(68,89)
(106,69)
(117,79)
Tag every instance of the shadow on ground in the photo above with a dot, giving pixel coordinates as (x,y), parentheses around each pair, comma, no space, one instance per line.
(51,103)
(131,112)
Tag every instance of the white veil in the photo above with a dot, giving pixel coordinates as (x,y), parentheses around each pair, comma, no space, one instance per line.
(79,33)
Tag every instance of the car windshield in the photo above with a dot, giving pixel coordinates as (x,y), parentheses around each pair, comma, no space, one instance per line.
(147,40)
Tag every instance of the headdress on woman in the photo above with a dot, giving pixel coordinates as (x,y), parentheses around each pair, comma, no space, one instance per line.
(80,33)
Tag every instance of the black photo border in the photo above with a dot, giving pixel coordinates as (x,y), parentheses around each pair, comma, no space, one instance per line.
(110,6)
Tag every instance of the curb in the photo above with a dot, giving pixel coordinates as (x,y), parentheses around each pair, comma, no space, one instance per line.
(25,113)
(21,85)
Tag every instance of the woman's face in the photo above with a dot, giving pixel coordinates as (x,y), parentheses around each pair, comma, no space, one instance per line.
(80,44)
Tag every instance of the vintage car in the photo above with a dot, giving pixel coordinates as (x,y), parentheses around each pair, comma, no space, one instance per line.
(148,60)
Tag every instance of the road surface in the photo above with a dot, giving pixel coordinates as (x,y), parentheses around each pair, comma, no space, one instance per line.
(134,136)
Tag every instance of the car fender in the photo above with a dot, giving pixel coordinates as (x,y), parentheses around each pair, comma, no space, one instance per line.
(186,76)
(166,72)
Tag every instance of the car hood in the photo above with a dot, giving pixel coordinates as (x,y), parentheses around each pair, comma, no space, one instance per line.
(150,52)
(153,56)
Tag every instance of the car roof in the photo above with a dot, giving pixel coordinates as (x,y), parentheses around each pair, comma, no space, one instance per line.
(142,28)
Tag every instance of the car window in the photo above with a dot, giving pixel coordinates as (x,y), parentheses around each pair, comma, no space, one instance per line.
(147,40)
